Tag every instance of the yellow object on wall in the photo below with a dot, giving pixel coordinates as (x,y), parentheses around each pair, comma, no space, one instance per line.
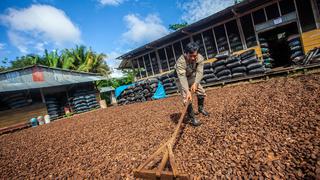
(311,40)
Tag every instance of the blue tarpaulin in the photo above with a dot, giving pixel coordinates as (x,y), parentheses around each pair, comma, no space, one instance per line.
(159,94)
(119,89)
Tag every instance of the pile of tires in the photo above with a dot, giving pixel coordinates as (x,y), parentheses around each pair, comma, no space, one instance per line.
(55,110)
(250,61)
(169,82)
(141,91)
(313,56)
(84,100)
(268,61)
(15,101)
(295,48)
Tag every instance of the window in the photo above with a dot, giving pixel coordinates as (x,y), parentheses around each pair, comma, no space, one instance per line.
(163,60)
(306,15)
(198,39)
(234,36)
(185,42)
(248,30)
(177,49)
(148,64)
(272,11)
(287,6)
(154,63)
(221,38)
(143,69)
(259,17)
(170,56)
(136,67)
(209,43)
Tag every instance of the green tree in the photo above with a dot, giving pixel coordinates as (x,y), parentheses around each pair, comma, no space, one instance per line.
(67,60)
(52,58)
(177,26)
(24,61)
(80,58)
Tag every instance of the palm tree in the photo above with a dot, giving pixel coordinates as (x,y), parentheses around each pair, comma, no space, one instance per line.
(79,54)
(52,58)
(89,61)
(99,65)
(67,60)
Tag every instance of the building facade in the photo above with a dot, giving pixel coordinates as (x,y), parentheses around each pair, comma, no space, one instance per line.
(234,29)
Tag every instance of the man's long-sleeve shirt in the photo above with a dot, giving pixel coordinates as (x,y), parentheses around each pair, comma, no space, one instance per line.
(187,70)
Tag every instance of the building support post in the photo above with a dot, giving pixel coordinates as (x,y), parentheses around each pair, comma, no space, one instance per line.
(42,96)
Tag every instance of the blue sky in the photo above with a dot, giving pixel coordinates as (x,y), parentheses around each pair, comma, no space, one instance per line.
(112,27)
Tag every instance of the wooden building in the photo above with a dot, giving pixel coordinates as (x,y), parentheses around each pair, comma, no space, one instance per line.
(233,30)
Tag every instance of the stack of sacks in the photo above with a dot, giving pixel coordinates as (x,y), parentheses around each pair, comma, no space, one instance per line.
(139,92)
(235,42)
(268,61)
(54,108)
(208,74)
(236,67)
(169,82)
(15,101)
(295,48)
(251,62)
(220,68)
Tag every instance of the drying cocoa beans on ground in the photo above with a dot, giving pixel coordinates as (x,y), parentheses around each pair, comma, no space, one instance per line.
(269,129)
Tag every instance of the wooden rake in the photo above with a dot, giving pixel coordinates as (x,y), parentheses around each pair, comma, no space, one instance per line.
(167,168)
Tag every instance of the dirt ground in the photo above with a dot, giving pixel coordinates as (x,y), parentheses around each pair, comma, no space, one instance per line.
(269,129)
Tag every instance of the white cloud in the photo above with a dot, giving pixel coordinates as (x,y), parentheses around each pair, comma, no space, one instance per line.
(143,30)
(2,45)
(110,2)
(39,25)
(114,63)
(194,10)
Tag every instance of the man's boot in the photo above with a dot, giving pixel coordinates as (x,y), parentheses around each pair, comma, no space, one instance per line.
(192,119)
(200,106)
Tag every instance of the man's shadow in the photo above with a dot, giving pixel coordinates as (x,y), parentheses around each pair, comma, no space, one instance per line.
(175,117)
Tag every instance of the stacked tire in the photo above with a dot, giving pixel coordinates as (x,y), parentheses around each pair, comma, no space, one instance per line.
(250,61)
(139,92)
(169,83)
(16,100)
(268,61)
(54,108)
(295,49)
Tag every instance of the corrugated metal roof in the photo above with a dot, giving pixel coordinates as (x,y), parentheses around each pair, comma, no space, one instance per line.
(106,89)
(33,77)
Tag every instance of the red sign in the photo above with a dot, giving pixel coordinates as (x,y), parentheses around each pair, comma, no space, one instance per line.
(37,74)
